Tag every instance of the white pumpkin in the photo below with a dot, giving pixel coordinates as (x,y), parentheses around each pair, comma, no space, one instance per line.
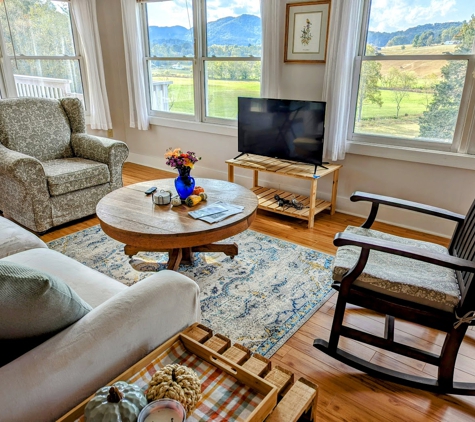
(121,402)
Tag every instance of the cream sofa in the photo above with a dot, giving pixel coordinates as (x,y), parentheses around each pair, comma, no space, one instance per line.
(124,325)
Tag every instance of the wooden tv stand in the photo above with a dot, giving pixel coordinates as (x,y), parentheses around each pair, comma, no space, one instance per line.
(291,169)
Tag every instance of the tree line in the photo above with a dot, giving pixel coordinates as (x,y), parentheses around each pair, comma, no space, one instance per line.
(40,28)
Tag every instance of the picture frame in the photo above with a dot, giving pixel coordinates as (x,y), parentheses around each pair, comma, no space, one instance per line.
(306,32)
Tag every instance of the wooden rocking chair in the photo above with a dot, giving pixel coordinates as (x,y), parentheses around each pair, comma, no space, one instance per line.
(416,281)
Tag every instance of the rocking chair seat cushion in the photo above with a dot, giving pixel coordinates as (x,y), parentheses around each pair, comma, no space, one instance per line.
(400,277)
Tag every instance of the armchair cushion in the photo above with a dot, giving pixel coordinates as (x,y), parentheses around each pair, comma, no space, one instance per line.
(71,174)
(37,127)
(400,277)
(34,303)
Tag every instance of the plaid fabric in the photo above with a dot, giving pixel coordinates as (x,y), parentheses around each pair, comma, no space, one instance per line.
(224,397)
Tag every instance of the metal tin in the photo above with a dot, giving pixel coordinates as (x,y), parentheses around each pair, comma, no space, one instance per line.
(162,197)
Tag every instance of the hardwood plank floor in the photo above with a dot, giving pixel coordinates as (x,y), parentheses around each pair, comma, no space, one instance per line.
(345,393)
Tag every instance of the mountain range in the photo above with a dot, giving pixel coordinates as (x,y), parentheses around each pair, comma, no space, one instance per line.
(241,30)
(381,39)
(246,30)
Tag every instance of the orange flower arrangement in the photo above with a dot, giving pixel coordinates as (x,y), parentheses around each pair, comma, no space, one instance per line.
(178,159)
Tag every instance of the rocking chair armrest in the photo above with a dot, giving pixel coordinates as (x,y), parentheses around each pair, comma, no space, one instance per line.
(443,260)
(408,205)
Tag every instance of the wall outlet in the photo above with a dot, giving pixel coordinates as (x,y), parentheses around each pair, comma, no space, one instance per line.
(110,133)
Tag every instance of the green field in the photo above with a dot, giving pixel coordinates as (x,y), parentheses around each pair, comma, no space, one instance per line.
(382,120)
(222,96)
(413,104)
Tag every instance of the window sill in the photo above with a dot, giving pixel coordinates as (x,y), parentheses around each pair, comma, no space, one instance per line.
(437,158)
(194,126)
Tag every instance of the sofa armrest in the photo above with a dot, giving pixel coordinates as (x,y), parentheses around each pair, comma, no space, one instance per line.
(107,151)
(61,372)
(15,239)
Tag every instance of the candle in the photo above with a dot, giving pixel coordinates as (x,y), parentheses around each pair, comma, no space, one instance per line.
(164,415)
(163,410)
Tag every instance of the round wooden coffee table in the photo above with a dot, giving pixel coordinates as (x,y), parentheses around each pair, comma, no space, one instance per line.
(130,217)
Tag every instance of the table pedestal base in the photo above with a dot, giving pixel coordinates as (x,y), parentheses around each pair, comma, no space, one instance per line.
(185,255)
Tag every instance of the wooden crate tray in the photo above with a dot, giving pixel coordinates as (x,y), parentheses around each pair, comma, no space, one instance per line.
(249,380)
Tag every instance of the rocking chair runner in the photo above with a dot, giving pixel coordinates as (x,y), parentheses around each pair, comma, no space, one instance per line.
(416,281)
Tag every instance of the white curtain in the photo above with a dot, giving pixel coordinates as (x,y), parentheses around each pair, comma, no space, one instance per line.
(134,62)
(345,22)
(85,18)
(271,59)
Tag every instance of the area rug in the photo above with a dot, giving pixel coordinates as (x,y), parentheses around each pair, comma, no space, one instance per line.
(258,299)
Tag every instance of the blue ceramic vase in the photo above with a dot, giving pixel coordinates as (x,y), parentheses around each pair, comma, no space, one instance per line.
(184,183)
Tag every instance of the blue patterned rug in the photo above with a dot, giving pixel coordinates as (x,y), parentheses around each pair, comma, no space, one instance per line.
(258,299)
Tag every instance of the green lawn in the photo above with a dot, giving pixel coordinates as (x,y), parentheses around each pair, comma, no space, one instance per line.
(413,104)
(222,96)
(382,120)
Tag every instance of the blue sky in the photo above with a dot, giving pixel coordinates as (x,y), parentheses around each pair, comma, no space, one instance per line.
(395,15)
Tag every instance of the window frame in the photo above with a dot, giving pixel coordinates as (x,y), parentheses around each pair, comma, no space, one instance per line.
(198,65)
(8,87)
(464,135)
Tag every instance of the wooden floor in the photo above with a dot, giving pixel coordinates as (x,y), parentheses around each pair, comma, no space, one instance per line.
(346,394)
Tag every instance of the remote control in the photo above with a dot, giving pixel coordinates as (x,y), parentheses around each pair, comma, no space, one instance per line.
(150,190)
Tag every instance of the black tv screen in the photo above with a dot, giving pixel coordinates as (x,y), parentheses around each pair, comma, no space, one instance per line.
(285,129)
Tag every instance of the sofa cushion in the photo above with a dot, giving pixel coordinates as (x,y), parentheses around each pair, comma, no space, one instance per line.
(37,127)
(35,303)
(14,239)
(72,174)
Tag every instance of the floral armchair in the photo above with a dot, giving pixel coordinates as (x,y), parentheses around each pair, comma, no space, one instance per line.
(51,170)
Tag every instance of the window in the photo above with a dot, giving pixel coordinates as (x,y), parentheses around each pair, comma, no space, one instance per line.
(414,79)
(38,41)
(201,56)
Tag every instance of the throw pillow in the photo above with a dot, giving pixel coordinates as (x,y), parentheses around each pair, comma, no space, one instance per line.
(34,303)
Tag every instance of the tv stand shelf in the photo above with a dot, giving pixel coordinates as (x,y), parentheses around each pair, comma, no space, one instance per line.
(265,195)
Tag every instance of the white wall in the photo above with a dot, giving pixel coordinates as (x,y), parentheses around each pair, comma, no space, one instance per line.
(445,187)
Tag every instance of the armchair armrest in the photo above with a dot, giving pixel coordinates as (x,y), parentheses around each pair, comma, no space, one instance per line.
(20,166)
(23,189)
(107,151)
(443,260)
(73,364)
(376,200)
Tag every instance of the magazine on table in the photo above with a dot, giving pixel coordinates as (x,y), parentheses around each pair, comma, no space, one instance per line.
(216,212)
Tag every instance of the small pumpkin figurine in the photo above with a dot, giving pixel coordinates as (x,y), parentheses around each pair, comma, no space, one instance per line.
(197,190)
(176,382)
(122,402)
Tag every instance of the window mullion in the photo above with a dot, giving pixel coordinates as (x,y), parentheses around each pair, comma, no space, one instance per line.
(465,129)
(200,80)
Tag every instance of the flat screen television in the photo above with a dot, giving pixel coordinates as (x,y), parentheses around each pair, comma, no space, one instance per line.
(285,129)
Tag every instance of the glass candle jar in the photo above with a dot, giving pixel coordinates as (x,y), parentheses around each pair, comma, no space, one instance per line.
(163,410)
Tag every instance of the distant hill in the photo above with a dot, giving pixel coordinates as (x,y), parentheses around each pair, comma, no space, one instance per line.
(241,30)
(381,39)
(164,33)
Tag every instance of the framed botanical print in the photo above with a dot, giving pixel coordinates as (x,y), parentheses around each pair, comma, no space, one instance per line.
(306,32)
